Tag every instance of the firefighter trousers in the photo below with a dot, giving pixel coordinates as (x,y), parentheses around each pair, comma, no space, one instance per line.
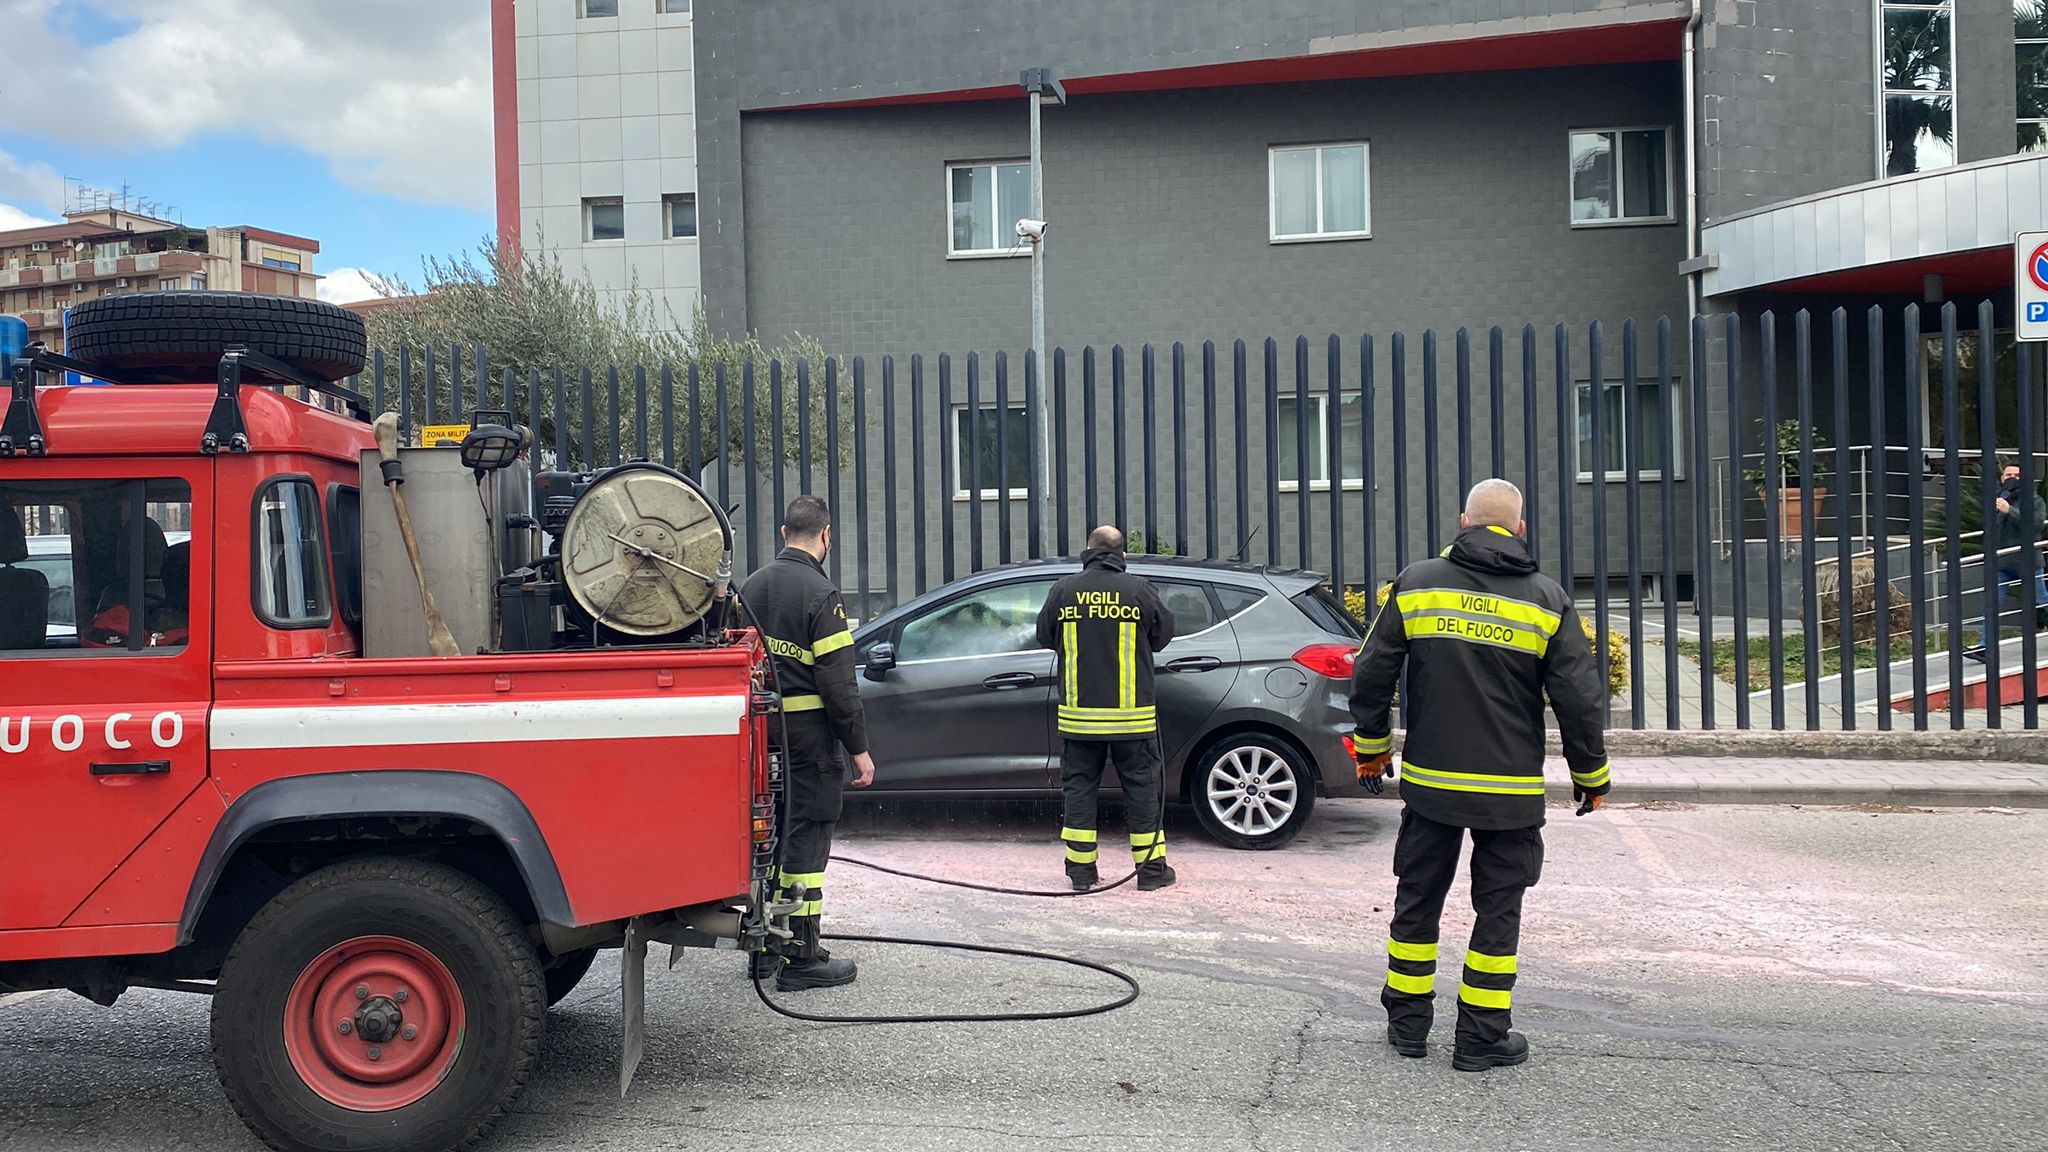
(1137,765)
(1505,864)
(814,779)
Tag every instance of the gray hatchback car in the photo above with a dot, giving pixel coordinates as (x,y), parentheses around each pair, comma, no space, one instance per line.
(1252,692)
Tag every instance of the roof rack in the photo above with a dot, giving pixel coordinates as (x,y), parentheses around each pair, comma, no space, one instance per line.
(21,431)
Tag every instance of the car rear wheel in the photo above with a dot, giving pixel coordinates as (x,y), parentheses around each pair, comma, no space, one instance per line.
(1252,791)
(387,1004)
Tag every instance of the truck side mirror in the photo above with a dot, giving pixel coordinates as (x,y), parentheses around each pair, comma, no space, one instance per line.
(881,658)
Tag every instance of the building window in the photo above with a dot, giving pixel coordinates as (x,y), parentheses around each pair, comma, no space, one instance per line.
(169,284)
(1626,412)
(2030,57)
(1010,470)
(1351,446)
(604,219)
(987,201)
(593,9)
(280,258)
(672,7)
(1621,176)
(199,282)
(1320,192)
(680,212)
(1916,60)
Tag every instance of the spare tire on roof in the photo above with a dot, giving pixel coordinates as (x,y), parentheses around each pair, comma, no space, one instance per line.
(185,333)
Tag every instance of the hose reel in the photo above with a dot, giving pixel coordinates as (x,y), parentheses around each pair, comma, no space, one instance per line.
(645,552)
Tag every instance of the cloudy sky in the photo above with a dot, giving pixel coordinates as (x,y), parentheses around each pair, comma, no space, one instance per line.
(365,124)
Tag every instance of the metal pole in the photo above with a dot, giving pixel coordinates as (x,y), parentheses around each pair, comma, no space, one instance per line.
(1044,414)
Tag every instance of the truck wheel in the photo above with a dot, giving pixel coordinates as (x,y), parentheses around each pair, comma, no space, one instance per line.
(385,1004)
(184,333)
(565,972)
(1253,791)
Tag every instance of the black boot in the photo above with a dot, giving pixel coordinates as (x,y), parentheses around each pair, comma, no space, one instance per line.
(765,964)
(1509,1050)
(1154,876)
(820,971)
(1413,1048)
(1082,876)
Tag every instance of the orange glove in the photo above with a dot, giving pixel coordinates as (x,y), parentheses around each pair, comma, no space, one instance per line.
(1372,767)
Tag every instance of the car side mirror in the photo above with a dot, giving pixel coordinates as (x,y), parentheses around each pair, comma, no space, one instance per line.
(881,658)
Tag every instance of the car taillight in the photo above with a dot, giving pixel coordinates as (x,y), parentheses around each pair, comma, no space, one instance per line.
(1332,660)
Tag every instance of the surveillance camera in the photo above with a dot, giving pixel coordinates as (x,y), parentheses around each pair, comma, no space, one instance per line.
(1032,230)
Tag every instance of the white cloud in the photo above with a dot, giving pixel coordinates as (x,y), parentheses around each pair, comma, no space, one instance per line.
(394,94)
(12,218)
(30,182)
(348,285)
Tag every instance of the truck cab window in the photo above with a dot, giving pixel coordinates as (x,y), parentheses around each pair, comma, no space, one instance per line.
(95,565)
(290,581)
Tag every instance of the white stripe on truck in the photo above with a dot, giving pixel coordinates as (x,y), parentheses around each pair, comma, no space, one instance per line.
(484,722)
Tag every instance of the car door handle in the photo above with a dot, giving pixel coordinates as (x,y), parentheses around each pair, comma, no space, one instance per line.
(134,768)
(1194,664)
(1005,680)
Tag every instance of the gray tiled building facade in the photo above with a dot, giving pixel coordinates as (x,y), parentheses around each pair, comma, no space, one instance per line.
(826,132)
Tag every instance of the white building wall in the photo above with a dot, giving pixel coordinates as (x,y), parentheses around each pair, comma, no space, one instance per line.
(607,108)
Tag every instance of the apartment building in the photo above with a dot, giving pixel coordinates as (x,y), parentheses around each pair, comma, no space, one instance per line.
(47,270)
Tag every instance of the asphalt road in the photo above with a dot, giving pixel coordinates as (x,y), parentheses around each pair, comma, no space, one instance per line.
(1691,979)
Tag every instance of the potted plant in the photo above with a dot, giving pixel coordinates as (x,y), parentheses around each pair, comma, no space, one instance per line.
(1795,504)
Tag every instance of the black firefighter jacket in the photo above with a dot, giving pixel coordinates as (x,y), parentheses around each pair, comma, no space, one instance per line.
(1105,624)
(1484,636)
(803,623)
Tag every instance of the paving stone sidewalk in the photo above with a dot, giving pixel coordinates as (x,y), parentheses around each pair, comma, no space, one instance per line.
(1731,780)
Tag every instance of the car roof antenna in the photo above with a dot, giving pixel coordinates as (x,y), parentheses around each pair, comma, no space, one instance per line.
(1238,557)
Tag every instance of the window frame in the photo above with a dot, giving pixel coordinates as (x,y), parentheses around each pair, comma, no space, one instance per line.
(897,629)
(589,229)
(583,11)
(326,579)
(961,493)
(1620,135)
(1884,94)
(661,8)
(1020,249)
(1321,401)
(1273,233)
(1584,475)
(2039,122)
(669,204)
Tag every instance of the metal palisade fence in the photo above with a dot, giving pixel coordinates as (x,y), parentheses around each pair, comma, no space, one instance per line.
(1769,521)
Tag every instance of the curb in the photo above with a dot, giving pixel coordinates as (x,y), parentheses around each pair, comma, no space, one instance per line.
(2001,747)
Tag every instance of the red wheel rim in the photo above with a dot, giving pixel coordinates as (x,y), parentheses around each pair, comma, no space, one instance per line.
(374,1023)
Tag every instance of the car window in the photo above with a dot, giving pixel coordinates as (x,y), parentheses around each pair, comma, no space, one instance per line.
(1322,606)
(1236,600)
(1190,604)
(75,555)
(985,622)
(290,588)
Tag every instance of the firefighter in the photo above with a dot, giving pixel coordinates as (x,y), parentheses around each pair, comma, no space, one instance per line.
(1105,624)
(803,622)
(1484,637)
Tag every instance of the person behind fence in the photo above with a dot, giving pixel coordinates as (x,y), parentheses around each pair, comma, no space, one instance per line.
(1484,637)
(803,623)
(1105,624)
(2012,536)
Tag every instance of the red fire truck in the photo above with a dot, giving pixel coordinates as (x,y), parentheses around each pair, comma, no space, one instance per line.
(230,762)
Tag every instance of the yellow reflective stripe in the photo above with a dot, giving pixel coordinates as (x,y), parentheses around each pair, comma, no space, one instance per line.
(802,703)
(1078,835)
(810,908)
(1372,745)
(1412,985)
(1497,965)
(1127,728)
(1493,633)
(831,644)
(1593,779)
(808,879)
(1472,782)
(1499,529)
(1079,856)
(1481,604)
(1095,715)
(1127,665)
(788,650)
(1140,839)
(1070,662)
(1484,997)
(1419,953)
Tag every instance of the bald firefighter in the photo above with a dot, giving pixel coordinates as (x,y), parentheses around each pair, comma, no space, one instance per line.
(1484,637)
(1105,624)
(803,623)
